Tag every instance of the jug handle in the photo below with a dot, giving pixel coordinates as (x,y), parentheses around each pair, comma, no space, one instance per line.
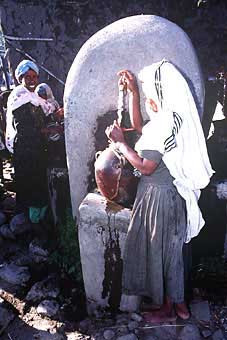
(98,153)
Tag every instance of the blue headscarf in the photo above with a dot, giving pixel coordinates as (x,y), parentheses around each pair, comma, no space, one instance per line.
(23,67)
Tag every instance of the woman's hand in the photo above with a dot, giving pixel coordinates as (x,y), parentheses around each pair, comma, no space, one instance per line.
(114,133)
(53,129)
(59,114)
(128,81)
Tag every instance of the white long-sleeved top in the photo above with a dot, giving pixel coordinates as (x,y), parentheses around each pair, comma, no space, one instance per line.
(18,97)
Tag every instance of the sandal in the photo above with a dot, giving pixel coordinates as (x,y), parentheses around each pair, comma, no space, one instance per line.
(182,311)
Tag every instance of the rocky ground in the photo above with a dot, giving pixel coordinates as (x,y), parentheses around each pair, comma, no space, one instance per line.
(38,302)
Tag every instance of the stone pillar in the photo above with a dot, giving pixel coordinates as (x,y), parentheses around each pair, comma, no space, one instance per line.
(102,232)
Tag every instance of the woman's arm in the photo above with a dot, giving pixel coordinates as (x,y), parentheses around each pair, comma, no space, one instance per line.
(145,166)
(129,80)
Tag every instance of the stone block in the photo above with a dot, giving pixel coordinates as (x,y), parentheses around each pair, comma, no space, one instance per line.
(102,232)
(218,335)
(200,310)
(14,274)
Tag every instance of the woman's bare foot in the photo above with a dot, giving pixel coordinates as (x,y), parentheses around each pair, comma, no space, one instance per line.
(182,311)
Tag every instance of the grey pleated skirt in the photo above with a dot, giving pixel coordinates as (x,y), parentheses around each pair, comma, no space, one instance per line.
(152,261)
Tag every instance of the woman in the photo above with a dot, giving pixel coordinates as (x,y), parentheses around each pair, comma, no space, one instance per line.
(172,158)
(25,138)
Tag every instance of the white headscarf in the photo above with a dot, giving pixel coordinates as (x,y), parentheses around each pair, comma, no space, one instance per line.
(18,97)
(23,67)
(176,132)
(44,89)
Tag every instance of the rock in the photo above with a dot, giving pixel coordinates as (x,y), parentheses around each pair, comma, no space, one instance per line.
(6,316)
(6,232)
(160,331)
(77,336)
(38,259)
(20,224)
(206,333)
(130,303)
(92,306)
(9,203)
(47,336)
(108,334)
(9,287)
(130,336)
(99,313)
(225,326)
(132,325)
(122,319)
(151,337)
(221,190)
(218,335)
(3,218)
(43,324)
(48,308)
(136,317)
(200,310)
(37,251)
(35,248)
(23,260)
(42,290)
(97,336)
(122,330)
(84,325)
(189,332)
(14,274)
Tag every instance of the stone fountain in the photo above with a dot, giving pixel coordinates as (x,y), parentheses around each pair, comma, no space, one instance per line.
(90,102)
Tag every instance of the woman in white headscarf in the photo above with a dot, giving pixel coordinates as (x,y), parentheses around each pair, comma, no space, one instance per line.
(172,158)
(25,138)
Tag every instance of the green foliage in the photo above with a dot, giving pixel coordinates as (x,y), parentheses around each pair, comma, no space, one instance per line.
(67,253)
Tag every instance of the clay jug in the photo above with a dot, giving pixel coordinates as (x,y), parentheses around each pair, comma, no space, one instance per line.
(114,175)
